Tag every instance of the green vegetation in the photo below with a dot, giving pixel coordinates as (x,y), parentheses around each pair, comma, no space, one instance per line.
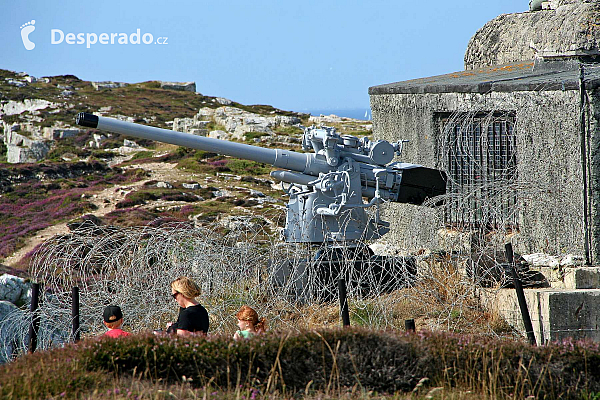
(3,151)
(247,167)
(358,363)
(288,131)
(250,136)
(142,196)
(145,154)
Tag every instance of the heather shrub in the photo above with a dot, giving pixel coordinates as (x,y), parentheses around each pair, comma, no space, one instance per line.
(29,204)
(326,360)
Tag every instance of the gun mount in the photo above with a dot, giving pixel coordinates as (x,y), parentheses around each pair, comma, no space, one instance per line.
(326,187)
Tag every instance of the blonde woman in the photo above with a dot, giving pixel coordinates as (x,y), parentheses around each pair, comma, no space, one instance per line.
(193,317)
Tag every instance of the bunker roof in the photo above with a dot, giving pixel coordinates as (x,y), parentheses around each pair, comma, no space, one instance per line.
(512,77)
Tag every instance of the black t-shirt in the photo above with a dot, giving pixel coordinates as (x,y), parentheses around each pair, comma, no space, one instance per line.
(193,319)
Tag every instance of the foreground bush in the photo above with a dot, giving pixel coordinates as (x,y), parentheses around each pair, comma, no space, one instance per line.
(326,360)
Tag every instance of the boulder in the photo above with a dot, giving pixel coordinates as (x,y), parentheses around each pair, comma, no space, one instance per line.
(256,193)
(192,186)
(183,86)
(198,132)
(223,101)
(18,107)
(16,83)
(131,143)
(218,134)
(18,154)
(98,139)
(6,307)
(164,185)
(108,85)
(222,193)
(11,288)
(59,133)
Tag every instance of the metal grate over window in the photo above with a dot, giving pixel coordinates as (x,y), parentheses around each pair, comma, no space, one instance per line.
(480,152)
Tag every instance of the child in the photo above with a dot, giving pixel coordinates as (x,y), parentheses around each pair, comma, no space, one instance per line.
(113,320)
(248,323)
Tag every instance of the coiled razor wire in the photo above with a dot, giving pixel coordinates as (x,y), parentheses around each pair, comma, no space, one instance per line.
(293,285)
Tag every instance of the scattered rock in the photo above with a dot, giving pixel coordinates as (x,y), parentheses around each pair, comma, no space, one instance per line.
(545,260)
(218,134)
(165,185)
(11,288)
(15,82)
(18,107)
(36,151)
(68,156)
(222,193)
(259,181)
(223,101)
(108,85)
(256,193)
(192,186)
(131,143)
(183,86)
(236,222)
(59,133)
(86,222)
(98,139)
(195,125)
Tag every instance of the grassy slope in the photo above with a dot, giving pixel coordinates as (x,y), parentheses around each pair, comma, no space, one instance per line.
(145,102)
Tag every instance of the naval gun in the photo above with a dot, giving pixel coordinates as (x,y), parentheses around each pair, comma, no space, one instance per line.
(326,186)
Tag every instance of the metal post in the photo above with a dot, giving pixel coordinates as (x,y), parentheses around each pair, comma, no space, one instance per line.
(75,313)
(35,320)
(584,156)
(409,325)
(343,302)
(520,295)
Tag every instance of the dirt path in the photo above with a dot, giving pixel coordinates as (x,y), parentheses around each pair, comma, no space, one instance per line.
(105,200)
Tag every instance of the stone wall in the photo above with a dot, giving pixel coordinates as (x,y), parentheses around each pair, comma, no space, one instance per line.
(550,199)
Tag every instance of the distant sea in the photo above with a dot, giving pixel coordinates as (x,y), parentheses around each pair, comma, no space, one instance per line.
(357,113)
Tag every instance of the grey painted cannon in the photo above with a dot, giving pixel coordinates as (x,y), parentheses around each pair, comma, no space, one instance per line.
(327,185)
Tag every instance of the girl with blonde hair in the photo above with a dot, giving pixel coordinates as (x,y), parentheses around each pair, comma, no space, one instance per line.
(249,323)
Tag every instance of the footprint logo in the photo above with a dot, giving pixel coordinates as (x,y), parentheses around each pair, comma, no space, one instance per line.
(26,29)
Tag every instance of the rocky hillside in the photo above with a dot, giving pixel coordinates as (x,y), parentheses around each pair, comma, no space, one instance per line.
(54,174)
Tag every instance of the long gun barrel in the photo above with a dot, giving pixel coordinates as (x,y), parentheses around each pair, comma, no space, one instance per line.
(278,158)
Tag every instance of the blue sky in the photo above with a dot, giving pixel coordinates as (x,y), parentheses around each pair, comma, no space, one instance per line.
(290,54)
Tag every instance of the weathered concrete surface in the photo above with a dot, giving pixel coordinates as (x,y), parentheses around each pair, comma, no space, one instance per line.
(571,29)
(560,277)
(555,314)
(548,163)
